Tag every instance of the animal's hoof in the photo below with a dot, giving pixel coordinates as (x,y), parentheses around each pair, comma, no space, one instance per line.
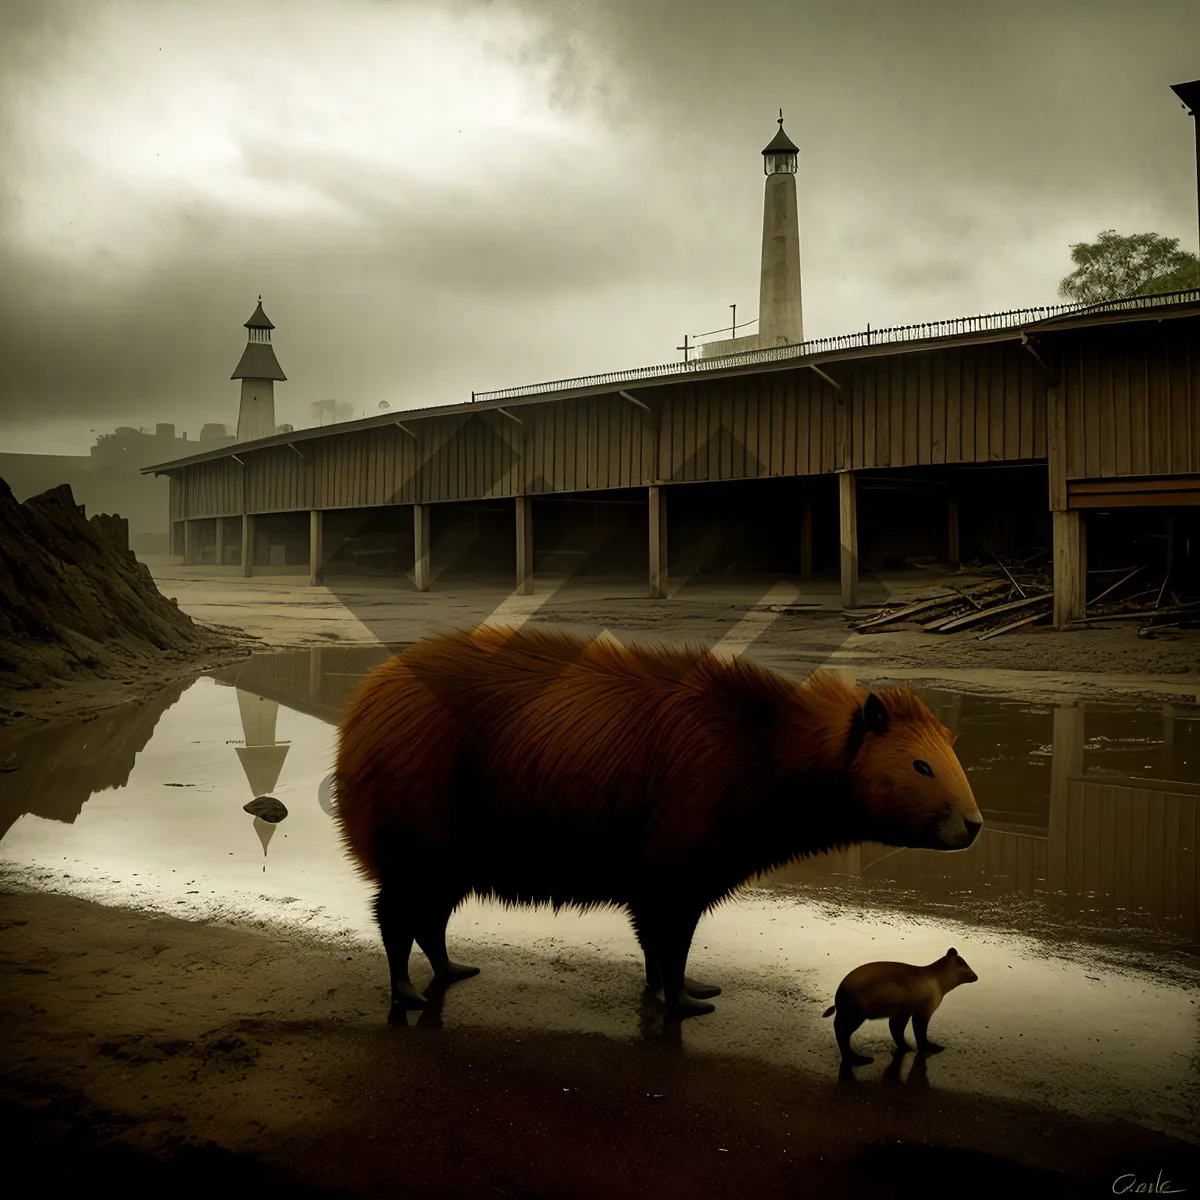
(700,991)
(856,1060)
(931,1048)
(684,1005)
(902,1048)
(405,997)
(452,972)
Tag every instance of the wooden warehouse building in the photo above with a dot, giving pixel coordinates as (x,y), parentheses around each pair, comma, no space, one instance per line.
(988,432)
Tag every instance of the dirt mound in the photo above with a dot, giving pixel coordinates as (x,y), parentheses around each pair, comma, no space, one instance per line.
(75,603)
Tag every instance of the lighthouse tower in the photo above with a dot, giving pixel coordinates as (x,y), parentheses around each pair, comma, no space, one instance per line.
(258,369)
(780,320)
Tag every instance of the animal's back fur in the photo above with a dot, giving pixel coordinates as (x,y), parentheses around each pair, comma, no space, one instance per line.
(537,766)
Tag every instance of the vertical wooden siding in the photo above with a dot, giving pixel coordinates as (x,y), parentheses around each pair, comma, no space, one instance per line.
(577,445)
(364,468)
(752,427)
(278,479)
(211,489)
(978,404)
(1133,403)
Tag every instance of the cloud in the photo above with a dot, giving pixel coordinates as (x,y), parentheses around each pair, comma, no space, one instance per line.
(437,197)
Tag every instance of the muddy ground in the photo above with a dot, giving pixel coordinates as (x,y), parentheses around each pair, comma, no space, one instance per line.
(283,611)
(1035,661)
(161,1054)
(134,1042)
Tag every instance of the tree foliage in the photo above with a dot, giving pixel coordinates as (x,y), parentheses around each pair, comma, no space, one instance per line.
(1138,264)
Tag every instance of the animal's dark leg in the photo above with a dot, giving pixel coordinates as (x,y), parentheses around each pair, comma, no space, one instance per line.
(396,930)
(653,978)
(430,929)
(898,1024)
(695,989)
(670,936)
(844,1024)
(921,1029)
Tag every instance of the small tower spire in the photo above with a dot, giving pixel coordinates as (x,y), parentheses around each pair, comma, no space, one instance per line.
(780,319)
(258,369)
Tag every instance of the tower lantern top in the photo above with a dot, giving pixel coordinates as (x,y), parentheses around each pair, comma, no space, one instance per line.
(258,360)
(779,154)
(258,319)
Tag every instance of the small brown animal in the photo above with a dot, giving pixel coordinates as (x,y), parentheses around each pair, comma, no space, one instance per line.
(533,767)
(897,991)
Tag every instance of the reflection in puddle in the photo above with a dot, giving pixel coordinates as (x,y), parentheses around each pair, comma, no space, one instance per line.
(1078,905)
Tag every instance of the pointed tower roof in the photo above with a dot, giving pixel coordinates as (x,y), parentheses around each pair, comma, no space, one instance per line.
(1189,93)
(258,360)
(781,143)
(258,318)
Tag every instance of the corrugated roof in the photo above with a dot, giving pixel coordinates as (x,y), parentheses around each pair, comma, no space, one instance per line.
(258,361)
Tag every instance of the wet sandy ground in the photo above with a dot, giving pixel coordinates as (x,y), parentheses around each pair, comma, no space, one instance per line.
(1039,663)
(257,1023)
(128,1030)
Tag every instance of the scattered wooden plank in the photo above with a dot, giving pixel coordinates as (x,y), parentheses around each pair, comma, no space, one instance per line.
(997,610)
(909,610)
(1140,615)
(1112,588)
(938,622)
(991,633)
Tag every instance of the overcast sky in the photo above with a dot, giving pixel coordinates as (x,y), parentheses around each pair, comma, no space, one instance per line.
(434,197)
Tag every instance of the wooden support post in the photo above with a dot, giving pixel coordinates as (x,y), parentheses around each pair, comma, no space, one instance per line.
(952,553)
(191,540)
(316,547)
(524,546)
(848,513)
(247,545)
(421,570)
(1070,567)
(658,543)
(219,549)
(806,530)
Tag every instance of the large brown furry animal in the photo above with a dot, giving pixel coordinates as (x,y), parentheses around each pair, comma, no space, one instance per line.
(533,767)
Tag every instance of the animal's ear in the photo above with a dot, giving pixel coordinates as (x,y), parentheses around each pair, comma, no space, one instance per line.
(952,953)
(875,716)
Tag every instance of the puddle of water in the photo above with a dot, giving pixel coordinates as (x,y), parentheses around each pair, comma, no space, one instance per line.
(1077,906)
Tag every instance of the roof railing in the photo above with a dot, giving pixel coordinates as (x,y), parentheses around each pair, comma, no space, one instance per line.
(925,331)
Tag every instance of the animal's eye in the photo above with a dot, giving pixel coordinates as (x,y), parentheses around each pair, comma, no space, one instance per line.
(923,768)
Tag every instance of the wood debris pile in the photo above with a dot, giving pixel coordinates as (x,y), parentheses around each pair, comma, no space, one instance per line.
(1016,591)
(1137,597)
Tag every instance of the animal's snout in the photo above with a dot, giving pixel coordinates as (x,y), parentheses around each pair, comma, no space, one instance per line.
(958,832)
